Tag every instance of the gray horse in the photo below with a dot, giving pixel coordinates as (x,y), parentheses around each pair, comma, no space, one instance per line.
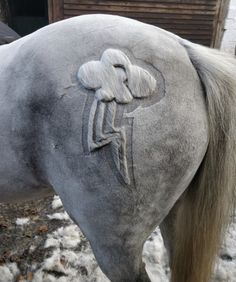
(133,127)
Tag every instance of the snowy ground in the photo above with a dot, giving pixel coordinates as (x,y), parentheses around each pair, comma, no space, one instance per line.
(69,258)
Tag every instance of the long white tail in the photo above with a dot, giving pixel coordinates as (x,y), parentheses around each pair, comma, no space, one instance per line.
(210,199)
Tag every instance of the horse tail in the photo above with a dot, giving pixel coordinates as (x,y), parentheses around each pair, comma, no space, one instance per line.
(209,201)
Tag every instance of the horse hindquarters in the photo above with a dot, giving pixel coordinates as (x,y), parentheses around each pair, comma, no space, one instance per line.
(120,143)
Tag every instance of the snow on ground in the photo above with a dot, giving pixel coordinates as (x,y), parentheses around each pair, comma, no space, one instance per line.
(71,259)
(68,262)
(56,203)
(226,268)
(8,272)
(59,216)
(155,258)
(22,221)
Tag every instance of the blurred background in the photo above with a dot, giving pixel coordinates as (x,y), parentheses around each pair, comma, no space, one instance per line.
(200,21)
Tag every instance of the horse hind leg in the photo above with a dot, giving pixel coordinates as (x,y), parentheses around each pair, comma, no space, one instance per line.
(119,263)
(167,228)
(118,251)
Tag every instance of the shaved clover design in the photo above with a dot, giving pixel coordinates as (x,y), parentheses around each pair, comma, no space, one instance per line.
(115,80)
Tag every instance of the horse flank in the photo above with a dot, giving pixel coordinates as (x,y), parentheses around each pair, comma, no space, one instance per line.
(205,208)
(209,201)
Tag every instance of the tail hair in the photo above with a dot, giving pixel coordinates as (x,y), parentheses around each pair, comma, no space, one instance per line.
(209,202)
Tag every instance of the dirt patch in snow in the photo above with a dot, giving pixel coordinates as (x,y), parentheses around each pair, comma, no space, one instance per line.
(24,230)
(40,243)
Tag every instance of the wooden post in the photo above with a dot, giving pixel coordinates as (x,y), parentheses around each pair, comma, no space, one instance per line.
(219,23)
(55,10)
